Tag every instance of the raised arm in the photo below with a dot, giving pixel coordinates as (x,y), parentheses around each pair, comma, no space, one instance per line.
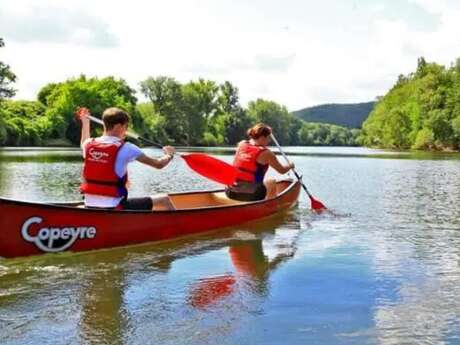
(85,125)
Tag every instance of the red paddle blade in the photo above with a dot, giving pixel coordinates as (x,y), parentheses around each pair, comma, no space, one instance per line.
(317,205)
(211,290)
(211,168)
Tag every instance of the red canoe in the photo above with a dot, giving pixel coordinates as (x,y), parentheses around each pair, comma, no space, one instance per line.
(28,228)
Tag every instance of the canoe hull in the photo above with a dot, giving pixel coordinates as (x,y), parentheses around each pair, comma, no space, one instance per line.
(32,228)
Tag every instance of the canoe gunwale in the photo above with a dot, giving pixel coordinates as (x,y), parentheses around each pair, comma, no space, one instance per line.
(72,205)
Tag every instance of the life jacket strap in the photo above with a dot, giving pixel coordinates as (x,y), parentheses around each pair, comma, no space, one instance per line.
(247,170)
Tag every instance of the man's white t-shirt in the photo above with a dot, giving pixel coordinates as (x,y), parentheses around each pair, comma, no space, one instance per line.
(128,153)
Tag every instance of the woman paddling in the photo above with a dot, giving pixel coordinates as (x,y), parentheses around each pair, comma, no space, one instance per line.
(252,159)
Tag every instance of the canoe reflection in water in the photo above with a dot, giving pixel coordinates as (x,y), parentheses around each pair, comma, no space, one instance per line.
(252,260)
(137,308)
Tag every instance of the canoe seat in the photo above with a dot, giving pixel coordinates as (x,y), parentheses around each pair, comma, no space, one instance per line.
(221,199)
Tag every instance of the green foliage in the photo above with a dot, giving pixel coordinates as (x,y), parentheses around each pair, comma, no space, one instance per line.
(272,114)
(424,139)
(6,78)
(45,91)
(348,115)
(22,123)
(96,94)
(199,112)
(420,111)
(397,128)
(200,106)
(165,94)
(319,134)
(210,140)
(151,124)
(233,126)
(205,113)
(231,121)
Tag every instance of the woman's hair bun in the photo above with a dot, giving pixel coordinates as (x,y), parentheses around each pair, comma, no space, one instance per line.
(259,130)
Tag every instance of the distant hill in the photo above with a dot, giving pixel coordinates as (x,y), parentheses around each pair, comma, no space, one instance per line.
(349,115)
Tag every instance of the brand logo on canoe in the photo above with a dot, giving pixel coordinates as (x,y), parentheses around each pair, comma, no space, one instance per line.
(54,239)
(97,155)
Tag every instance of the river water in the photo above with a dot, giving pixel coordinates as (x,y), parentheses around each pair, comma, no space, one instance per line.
(383,270)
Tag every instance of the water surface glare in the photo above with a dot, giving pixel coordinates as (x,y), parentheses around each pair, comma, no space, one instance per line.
(386,272)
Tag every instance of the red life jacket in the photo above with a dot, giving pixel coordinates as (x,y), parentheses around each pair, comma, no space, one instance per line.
(99,175)
(246,161)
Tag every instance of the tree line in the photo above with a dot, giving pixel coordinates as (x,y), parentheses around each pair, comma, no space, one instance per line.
(200,112)
(421,111)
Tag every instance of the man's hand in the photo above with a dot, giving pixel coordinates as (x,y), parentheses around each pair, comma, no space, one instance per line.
(169,150)
(82,114)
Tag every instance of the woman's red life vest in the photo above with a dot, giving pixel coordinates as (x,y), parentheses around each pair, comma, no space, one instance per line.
(99,176)
(246,162)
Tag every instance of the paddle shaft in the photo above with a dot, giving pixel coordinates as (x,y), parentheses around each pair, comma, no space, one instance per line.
(128,133)
(207,166)
(293,170)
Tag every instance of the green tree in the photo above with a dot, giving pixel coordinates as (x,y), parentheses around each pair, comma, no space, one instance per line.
(45,91)
(395,133)
(7,77)
(23,123)
(93,93)
(200,105)
(235,125)
(272,114)
(152,124)
(424,139)
(165,94)
(306,136)
(294,126)
(419,111)
(421,67)
(230,122)
(228,98)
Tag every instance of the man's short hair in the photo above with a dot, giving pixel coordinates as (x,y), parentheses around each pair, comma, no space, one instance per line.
(114,116)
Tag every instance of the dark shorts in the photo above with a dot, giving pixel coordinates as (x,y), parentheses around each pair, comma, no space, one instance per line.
(137,204)
(244,191)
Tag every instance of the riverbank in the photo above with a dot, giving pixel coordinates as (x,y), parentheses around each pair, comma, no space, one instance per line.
(56,153)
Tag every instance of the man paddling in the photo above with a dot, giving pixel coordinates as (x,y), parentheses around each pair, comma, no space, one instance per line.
(105,175)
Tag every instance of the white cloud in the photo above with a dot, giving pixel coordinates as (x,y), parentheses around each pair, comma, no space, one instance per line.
(437,6)
(298,53)
(54,24)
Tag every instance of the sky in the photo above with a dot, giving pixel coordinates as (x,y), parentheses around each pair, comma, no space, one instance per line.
(298,53)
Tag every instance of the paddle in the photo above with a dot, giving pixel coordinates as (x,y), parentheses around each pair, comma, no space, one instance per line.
(315,204)
(207,166)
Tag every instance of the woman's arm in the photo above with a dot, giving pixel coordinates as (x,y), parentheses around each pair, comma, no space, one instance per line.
(268,157)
